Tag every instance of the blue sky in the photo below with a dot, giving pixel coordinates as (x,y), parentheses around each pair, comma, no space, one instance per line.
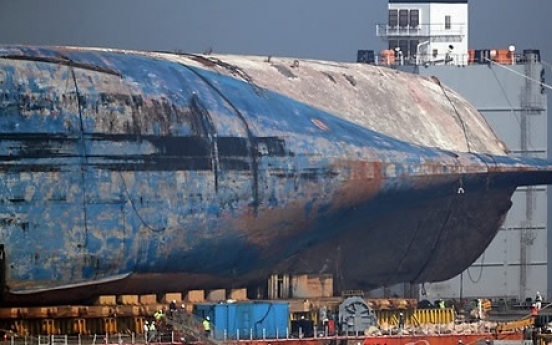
(322,29)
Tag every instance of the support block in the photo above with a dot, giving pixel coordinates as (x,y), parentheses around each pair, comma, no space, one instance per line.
(196,296)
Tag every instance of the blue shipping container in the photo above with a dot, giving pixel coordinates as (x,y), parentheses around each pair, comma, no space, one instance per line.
(251,320)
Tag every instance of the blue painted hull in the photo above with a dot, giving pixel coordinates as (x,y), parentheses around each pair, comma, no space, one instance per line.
(131,173)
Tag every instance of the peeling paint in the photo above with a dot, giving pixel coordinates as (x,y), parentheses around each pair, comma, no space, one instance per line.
(222,170)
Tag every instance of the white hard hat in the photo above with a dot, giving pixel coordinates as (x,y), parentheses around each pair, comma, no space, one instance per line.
(207,318)
(146,322)
(174,301)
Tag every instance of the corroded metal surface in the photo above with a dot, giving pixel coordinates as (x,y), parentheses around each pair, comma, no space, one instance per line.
(150,171)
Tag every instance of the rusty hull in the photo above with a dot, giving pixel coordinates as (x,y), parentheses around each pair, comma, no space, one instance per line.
(140,172)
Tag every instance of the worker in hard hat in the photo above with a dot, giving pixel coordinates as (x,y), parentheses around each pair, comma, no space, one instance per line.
(538,300)
(146,330)
(441,304)
(172,307)
(401,322)
(534,310)
(207,326)
(152,332)
(158,315)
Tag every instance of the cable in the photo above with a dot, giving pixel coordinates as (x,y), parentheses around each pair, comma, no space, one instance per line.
(480,271)
(233,69)
(85,156)
(510,105)
(438,238)
(261,320)
(134,106)
(546,63)
(405,254)
(462,123)
(136,210)
(520,74)
(251,138)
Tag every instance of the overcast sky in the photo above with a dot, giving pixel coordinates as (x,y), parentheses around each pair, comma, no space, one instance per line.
(322,29)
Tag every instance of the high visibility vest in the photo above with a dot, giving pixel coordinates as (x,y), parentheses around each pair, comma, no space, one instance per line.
(206,325)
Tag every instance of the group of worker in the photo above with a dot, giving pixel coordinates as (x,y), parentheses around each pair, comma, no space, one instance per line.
(152,327)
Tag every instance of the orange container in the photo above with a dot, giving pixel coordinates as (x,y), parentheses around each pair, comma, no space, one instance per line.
(503,56)
(387,57)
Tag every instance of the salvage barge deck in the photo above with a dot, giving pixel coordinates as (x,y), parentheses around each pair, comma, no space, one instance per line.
(443,339)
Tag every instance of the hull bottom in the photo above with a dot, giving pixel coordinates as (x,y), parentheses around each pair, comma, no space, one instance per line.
(430,240)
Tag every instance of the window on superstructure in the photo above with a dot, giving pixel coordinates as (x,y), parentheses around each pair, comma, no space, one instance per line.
(414,18)
(403,18)
(393,18)
(393,44)
(447,23)
(403,45)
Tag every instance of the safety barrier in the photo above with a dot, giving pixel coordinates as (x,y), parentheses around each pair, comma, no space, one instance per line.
(112,325)
(416,317)
(435,316)
(128,325)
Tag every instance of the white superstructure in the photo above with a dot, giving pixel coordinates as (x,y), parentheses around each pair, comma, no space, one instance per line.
(427,31)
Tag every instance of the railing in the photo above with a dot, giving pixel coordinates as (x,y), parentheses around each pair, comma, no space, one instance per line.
(189,328)
(422,30)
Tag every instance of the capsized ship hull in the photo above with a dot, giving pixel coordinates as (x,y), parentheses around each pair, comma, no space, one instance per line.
(135,172)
